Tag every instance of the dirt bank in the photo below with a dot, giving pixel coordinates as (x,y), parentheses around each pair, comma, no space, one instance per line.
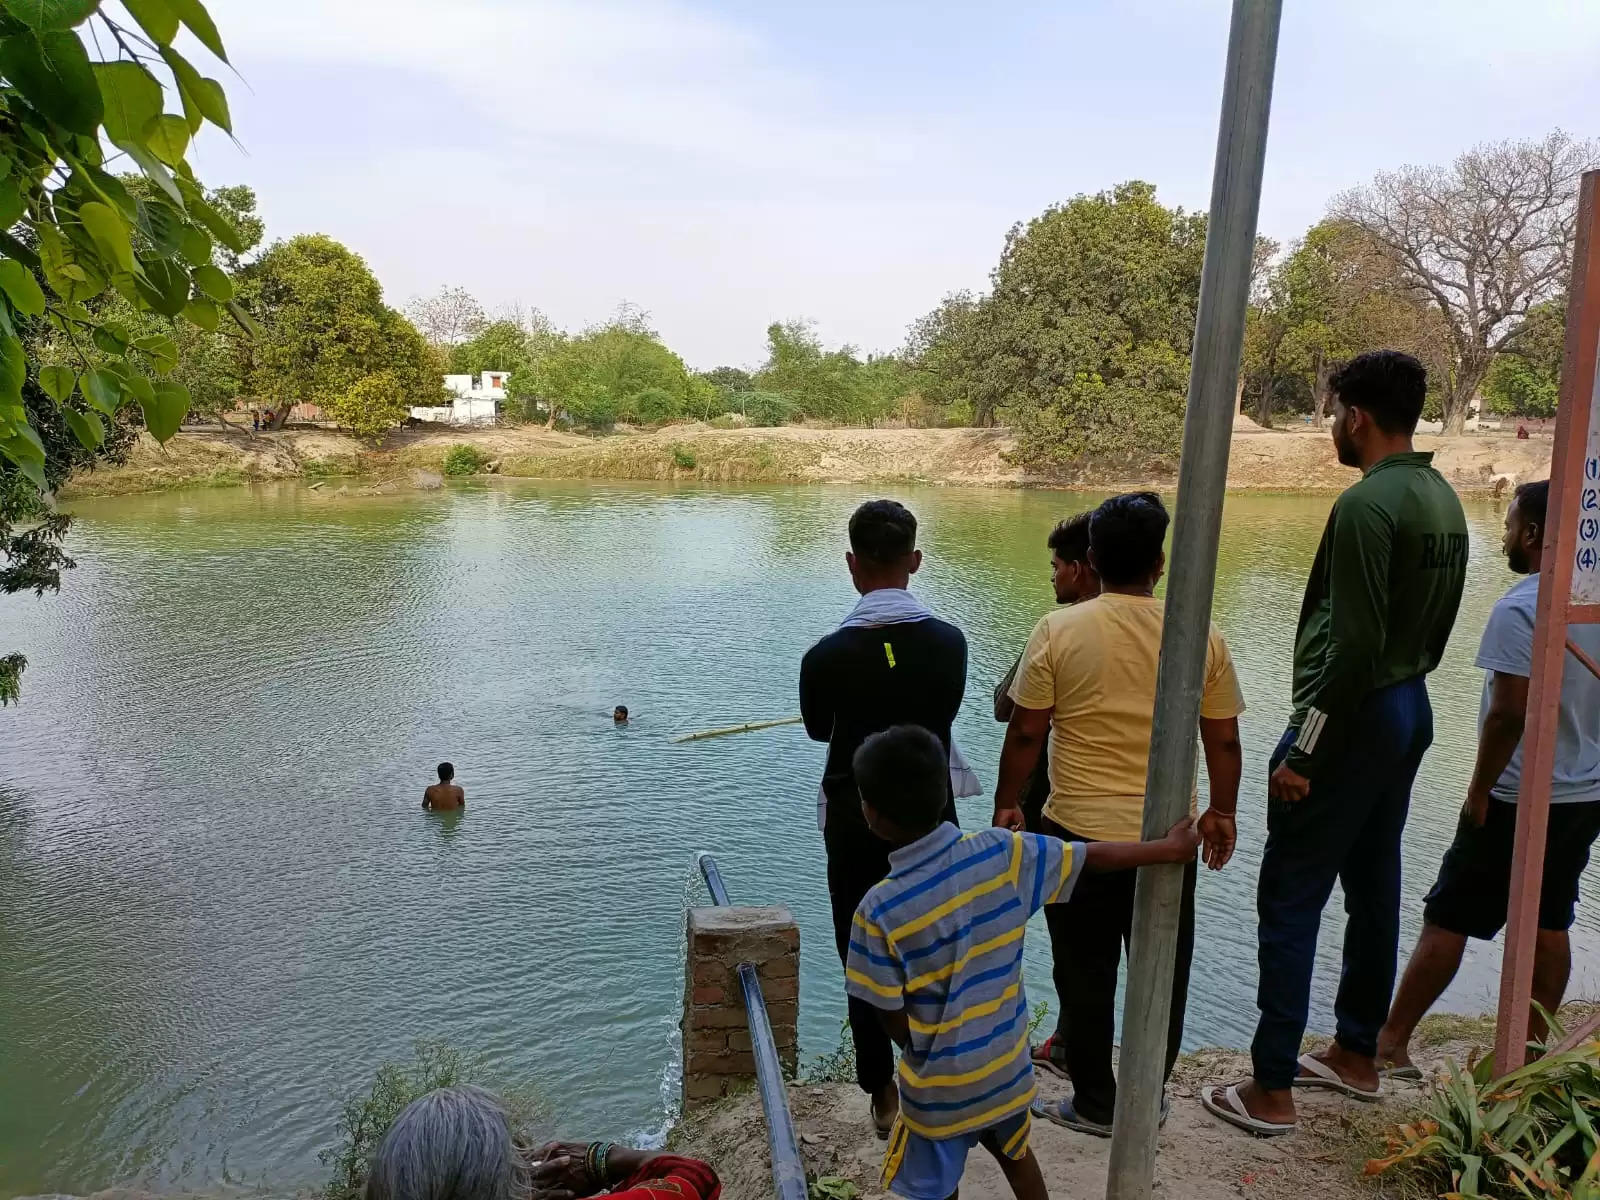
(1200,1158)
(1269,460)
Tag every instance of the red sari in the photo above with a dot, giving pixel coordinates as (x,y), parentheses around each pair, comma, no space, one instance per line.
(668,1177)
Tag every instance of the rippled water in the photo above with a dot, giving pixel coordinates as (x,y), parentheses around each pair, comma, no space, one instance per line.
(221,905)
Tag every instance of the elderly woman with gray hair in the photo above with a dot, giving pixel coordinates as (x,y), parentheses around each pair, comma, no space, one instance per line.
(456,1144)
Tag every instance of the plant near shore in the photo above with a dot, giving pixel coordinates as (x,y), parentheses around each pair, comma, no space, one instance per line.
(464,459)
(366,1116)
(1529,1133)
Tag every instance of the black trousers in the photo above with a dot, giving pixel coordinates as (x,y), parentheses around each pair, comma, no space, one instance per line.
(856,861)
(1087,936)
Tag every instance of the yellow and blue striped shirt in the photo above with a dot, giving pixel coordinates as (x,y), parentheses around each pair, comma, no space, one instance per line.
(941,937)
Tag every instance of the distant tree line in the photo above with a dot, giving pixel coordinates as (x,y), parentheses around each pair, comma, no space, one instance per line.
(1081,343)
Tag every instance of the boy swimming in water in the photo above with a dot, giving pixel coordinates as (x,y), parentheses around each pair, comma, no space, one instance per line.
(445,795)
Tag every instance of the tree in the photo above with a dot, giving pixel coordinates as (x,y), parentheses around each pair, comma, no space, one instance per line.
(75,231)
(598,377)
(371,406)
(947,352)
(326,328)
(830,385)
(1525,380)
(1333,295)
(1484,240)
(1083,342)
(211,363)
(447,318)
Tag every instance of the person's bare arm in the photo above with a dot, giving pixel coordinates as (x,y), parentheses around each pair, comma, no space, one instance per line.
(1177,847)
(1025,740)
(427,798)
(1219,737)
(896,1025)
(1502,730)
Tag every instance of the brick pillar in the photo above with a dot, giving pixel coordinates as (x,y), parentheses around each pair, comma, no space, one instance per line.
(716,1034)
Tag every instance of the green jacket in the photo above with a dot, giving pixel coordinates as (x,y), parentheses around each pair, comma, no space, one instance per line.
(1381,599)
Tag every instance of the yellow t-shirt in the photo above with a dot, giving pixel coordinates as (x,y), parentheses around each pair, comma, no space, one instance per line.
(1094,665)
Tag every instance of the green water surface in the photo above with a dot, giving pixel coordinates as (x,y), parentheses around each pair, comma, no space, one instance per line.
(221,904)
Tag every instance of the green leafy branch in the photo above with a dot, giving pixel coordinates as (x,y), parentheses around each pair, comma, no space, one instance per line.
(72,233)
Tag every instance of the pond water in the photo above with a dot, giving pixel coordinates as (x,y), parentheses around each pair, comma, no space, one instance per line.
(221,905)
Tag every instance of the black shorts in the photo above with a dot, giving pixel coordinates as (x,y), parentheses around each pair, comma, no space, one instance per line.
(1473,890)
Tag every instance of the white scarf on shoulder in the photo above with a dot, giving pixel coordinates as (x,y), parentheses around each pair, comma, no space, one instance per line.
(896,606)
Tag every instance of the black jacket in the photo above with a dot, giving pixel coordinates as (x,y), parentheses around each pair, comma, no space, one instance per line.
(857,681)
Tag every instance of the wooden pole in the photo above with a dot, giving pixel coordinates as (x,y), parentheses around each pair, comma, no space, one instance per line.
(747,727)
(1574,501)
(1202,481)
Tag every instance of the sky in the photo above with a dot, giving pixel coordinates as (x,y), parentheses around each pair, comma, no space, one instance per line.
(726,163)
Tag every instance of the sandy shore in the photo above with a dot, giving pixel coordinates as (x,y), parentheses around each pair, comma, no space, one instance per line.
(1267,460)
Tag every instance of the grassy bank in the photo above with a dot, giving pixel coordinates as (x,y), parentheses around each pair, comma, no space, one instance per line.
(1266,460)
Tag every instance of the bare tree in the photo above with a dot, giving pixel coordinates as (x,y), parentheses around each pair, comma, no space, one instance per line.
(1484,240)
(451,316)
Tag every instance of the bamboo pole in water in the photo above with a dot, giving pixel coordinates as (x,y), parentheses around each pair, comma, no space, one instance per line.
(747,727)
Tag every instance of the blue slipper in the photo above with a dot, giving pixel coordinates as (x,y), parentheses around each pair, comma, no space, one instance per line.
(1062,1113)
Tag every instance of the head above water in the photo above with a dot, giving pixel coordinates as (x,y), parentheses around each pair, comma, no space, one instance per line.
(1377,400)
(620,714)
(1125,537)
(1070,573)
(452,1144)
(903,775)
(447,772)
(883,546)
(1524,539)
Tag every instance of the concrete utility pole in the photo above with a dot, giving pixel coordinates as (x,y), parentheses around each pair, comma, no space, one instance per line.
(1192,570)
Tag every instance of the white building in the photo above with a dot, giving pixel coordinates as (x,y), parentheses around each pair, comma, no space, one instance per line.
(474,402)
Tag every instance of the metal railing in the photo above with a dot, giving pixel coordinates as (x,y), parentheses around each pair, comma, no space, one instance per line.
(788,1172)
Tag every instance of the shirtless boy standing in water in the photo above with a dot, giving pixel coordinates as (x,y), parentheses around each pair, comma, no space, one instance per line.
(444,795)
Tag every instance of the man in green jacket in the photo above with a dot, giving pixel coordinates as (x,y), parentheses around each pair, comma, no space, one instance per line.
(1378,609)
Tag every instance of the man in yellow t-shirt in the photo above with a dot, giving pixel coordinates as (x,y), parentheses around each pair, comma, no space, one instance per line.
(1089,673)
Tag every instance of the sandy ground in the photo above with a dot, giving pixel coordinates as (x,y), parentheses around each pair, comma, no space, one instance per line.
(1269,460)
(1200,1158)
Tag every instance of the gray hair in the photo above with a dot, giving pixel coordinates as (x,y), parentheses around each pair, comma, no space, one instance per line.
(452,1144)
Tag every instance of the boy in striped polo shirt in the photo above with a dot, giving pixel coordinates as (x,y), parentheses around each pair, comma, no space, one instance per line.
(937,949)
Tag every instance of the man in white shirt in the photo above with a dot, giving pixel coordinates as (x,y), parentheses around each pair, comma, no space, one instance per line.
(1473,891)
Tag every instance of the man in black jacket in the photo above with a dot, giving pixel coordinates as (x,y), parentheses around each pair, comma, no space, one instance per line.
(891,662)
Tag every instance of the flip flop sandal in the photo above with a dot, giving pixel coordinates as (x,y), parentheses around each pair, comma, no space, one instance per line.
(1044,1058)
(1062,1113)
(1232,1110)
(1325,1078)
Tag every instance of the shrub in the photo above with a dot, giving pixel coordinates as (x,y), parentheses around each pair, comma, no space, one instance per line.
(764,408)
(837,1065)
(366,1117)
(1529,1133)
(684,459)
(653,406)
(372,406)
(462,459)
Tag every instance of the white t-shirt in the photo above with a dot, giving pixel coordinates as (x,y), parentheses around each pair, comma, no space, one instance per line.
(1507,647)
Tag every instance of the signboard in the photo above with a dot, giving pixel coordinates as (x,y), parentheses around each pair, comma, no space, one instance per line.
(1586,557)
